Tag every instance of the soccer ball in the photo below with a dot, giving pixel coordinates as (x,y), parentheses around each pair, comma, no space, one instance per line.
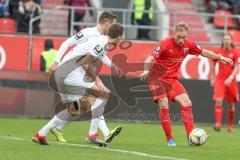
(198,137)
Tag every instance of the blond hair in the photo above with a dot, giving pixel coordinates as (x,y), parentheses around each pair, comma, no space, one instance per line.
(181,25)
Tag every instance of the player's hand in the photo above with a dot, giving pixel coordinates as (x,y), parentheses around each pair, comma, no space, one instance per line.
(53,67)
(118,71)
(103,90)
(143,76)
(228,81)
(212,82)
(226,60)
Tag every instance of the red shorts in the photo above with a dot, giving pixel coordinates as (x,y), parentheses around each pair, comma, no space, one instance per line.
(221,90)
(169,88)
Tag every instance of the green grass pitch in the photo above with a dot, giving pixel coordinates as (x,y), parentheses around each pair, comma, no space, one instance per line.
(137,141)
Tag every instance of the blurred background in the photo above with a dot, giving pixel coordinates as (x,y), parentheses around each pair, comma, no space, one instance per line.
(28,28)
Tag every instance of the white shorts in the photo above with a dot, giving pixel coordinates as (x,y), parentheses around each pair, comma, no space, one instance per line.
(75,85)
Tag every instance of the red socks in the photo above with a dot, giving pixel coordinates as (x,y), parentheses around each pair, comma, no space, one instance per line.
(166,122)
(187,118)
(231,116)
(218,114)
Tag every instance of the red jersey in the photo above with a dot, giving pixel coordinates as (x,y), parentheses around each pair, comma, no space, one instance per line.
(225,69)
(170,55)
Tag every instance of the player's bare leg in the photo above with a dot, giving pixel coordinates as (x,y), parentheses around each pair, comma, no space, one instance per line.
(98,121)
(186,111)
(61,117)
(86,102)
(165,120)
(58,131)
(72,109)
(231,115)
(66,115)
(94,138)
(218,115)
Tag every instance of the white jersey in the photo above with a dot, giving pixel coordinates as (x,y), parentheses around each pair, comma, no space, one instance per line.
(76,39)
(78,78)
(94,45)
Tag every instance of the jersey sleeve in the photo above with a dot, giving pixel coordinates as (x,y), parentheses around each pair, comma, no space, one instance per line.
(107,61)
(217,51)
(81,37)
(157,51)
(194,49)
(97,51)
(74,40)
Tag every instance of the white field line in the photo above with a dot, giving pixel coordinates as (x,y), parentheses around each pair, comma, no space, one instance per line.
(136,153)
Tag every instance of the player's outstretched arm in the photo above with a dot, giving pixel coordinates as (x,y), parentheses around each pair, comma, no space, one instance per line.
(212,55)
(63,48)
(147,66)
(212,78)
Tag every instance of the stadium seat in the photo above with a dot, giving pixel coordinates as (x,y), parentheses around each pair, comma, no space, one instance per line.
(219,21)
(7,25)
(235,35)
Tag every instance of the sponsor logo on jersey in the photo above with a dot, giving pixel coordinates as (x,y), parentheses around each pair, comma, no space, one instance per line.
(175,59)
(78,36)
(98,49)
(156,50)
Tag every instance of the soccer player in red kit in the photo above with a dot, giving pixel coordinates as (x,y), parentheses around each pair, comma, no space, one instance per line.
(169,53)
(225,83)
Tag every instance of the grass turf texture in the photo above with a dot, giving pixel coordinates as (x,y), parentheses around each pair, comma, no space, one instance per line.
(146,138)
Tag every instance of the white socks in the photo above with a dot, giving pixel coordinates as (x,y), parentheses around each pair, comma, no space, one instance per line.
(98,107)
(61,126)
(62,117)
(93,126)
(103,126)
(51,124)
(97,117)
(98,122)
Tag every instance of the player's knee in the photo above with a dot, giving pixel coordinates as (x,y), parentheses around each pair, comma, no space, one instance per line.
(187,102)
(163,103)
(79,107)
(85,104)
(231,106)
(218,102)
(74,108)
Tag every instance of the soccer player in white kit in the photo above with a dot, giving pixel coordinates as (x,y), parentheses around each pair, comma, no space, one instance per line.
(71,77)
(105,20)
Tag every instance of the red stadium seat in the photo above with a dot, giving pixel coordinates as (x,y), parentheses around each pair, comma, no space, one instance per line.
(7,25)
(235,35)
(219,21)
